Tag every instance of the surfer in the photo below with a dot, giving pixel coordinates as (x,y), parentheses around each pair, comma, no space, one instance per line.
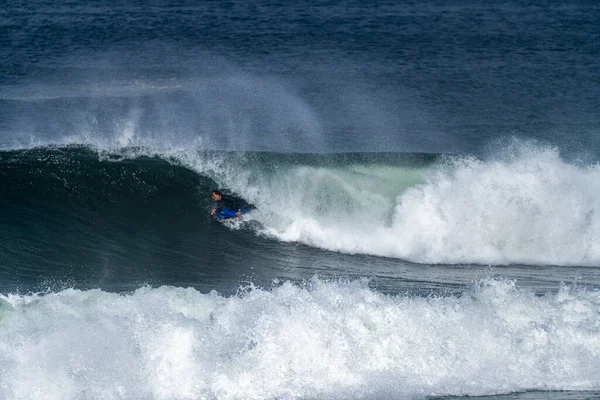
(223,201)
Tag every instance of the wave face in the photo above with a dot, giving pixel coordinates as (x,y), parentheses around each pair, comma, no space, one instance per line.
(322,339)
(71,216)
(525,206)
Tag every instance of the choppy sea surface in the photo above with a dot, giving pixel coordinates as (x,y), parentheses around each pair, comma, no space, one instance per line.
(427,183)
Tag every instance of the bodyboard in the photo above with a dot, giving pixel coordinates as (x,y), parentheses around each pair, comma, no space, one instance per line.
(225,213)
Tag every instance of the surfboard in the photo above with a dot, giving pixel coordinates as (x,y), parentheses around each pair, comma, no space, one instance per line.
(225,213)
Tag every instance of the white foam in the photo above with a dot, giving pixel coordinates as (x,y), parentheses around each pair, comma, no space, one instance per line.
(323,340)
(528,207)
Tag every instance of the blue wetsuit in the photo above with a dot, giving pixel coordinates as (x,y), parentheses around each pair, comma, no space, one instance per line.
(231,202)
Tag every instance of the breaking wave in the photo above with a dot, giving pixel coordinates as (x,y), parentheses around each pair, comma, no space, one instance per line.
(320,339)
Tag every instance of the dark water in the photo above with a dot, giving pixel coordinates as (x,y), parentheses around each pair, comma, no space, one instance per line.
(314,76)
(425,174)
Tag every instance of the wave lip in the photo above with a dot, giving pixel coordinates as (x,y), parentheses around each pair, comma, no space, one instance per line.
(324,339)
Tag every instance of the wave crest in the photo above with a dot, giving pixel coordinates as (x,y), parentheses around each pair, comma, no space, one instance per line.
(529,207)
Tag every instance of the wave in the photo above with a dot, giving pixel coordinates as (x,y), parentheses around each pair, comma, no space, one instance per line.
(527,205)
(320,339)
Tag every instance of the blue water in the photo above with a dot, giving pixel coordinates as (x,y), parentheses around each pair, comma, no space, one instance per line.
(426,179)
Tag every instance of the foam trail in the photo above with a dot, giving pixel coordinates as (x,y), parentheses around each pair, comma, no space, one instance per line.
(321,340)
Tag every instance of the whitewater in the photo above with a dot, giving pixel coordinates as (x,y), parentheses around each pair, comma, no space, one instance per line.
(530,207)
(320,339)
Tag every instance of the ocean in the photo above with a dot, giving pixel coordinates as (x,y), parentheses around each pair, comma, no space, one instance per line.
(427,183)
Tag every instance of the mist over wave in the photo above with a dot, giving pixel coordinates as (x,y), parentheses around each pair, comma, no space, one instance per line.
(320,339)
(217,107)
